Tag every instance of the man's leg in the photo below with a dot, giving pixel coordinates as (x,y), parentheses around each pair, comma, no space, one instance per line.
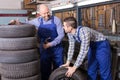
(45,64)
(104,60)
(92,64)
(58,57)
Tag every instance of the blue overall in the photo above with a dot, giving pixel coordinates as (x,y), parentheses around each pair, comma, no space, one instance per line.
(52,57)
(99,58)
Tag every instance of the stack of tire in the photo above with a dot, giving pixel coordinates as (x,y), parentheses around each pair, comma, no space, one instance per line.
(19,59)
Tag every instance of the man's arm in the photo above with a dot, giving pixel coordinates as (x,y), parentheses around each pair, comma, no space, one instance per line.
(60,32)
(71,47)
(85,43)
(35,22)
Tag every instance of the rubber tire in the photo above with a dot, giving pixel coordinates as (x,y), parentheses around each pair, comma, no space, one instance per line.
(17,31)
(18,43)
(36,77)
(21,70)
(60,72)
(21,56)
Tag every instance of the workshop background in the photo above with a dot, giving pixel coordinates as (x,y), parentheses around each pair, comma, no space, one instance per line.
(101,15)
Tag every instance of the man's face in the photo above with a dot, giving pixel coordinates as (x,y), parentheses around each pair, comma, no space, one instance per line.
(67,28)
(45,13)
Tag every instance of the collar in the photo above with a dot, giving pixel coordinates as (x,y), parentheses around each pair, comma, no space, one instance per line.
(76,32)
(48,19)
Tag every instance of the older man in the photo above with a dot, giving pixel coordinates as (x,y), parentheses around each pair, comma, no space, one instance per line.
(51,33)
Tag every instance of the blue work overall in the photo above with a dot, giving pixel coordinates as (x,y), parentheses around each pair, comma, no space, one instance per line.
(52,57)
(99,58)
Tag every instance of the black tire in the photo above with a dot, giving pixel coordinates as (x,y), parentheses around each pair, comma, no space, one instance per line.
(21,56)
(36,77)
(22,70)
(17,31)
(59,74)
(18,43)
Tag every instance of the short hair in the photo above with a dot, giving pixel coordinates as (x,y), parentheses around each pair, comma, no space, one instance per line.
(41,6)
(71,21)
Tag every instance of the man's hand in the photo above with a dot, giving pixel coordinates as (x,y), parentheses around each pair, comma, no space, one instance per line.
(14,22)
(18,22)
(70,71)
(46,45)
(66,64)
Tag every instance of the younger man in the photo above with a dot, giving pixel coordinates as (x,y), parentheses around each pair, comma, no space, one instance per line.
(93,44)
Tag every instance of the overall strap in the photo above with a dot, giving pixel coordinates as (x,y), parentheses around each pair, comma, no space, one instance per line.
(40,20)
(52,17)
(79,33)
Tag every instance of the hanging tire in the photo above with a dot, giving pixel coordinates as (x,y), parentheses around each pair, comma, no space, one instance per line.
(36,77)
(21,56)
(21,70)
(59,74)
(18,43)
(17,31)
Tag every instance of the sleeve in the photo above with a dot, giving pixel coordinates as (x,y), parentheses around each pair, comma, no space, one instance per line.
(60,32)
(71,47)
(35,22)
(85,43)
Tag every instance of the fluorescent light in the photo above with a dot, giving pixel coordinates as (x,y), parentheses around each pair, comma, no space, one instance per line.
(62,7)
(87,2)
(35,12)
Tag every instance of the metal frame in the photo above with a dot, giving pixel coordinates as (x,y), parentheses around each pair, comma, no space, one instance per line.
(78,15)
(78,9)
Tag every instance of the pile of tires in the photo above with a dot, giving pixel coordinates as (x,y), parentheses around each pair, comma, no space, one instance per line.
(19,59)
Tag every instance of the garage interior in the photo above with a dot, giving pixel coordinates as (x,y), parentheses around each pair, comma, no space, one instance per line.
(100,15)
